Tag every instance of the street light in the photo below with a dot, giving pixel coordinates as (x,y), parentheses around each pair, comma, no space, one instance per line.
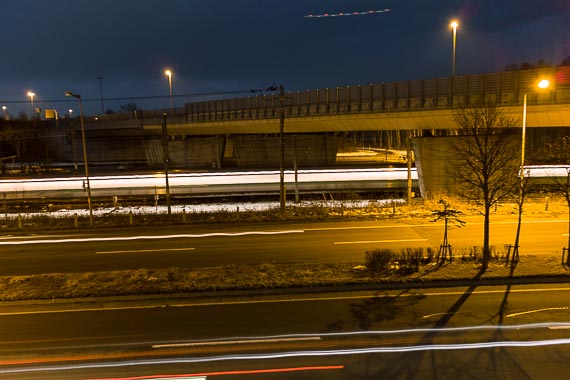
(31,95)
(70,112)
(542,84)
(87,186)
(454,24)
(4,108)
(169,74)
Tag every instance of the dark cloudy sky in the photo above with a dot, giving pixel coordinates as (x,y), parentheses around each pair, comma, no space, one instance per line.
(224,45)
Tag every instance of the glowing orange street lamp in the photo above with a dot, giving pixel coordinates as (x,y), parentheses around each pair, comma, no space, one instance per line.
(454,24)
(169,74)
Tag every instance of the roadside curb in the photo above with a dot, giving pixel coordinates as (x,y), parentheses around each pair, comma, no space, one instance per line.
(165,299)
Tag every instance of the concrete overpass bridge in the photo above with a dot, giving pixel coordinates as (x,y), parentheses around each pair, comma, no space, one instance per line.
(410,106)
(327,121)
(321,123)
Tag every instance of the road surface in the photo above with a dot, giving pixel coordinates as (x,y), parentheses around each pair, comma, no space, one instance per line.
(507,332)
(212,245)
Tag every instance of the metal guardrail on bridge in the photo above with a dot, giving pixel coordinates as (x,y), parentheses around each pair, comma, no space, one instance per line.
(504,89)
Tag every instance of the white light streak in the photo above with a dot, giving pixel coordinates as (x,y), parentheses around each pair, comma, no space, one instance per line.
(292,354)
(231,342)
(194,180)
(149,237)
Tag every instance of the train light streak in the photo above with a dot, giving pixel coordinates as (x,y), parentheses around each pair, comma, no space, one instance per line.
(344,14)
(216,182)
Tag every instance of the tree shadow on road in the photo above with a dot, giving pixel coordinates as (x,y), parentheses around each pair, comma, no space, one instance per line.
(500,358)
(381,308)
(482,363)
(409,365)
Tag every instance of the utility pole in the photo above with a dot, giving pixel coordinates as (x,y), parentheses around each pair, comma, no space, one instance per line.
(166,159)
(86,183)
(295,167)
(101,92)
(282,194)
(282,149)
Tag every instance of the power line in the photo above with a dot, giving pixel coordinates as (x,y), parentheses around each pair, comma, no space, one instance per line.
(146,97)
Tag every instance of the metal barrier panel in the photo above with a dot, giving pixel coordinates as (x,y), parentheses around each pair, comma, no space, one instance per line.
(505,88)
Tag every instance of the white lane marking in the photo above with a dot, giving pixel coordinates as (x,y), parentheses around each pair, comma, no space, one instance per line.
(145,250)
(152,237)
(378,241)
(248,302)
(245,341)
(535,311)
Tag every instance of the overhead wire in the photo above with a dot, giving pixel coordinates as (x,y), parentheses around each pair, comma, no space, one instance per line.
(144,97)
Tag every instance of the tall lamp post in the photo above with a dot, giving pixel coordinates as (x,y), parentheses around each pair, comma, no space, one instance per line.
(454,24)
(169,74)
(543,84)
(282,195)
(166,162)
(87,185)
(31,95)
(4,114)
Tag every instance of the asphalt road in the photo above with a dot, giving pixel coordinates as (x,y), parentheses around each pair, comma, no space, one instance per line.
(211,245)
(507,332)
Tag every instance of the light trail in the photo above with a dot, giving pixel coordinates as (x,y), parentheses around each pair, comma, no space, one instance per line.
(149,237)
(344,14)
(231,182)
(196,180)
(293,354)
(231,342)
(225,373)
(526,326)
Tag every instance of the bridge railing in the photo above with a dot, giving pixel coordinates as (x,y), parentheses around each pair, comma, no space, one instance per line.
(504,89)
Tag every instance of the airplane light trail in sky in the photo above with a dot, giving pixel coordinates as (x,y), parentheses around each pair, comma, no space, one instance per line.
(342,14)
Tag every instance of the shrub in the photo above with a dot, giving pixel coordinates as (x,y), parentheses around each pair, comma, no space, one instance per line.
(379,260)
(408,260)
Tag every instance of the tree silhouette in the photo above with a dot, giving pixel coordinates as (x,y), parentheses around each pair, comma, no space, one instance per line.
(484,161)
(448,215)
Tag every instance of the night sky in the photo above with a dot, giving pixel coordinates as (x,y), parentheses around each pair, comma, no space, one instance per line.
(225,45)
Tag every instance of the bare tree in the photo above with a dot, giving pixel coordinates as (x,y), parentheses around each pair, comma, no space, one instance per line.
(448,215)
(485,161)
